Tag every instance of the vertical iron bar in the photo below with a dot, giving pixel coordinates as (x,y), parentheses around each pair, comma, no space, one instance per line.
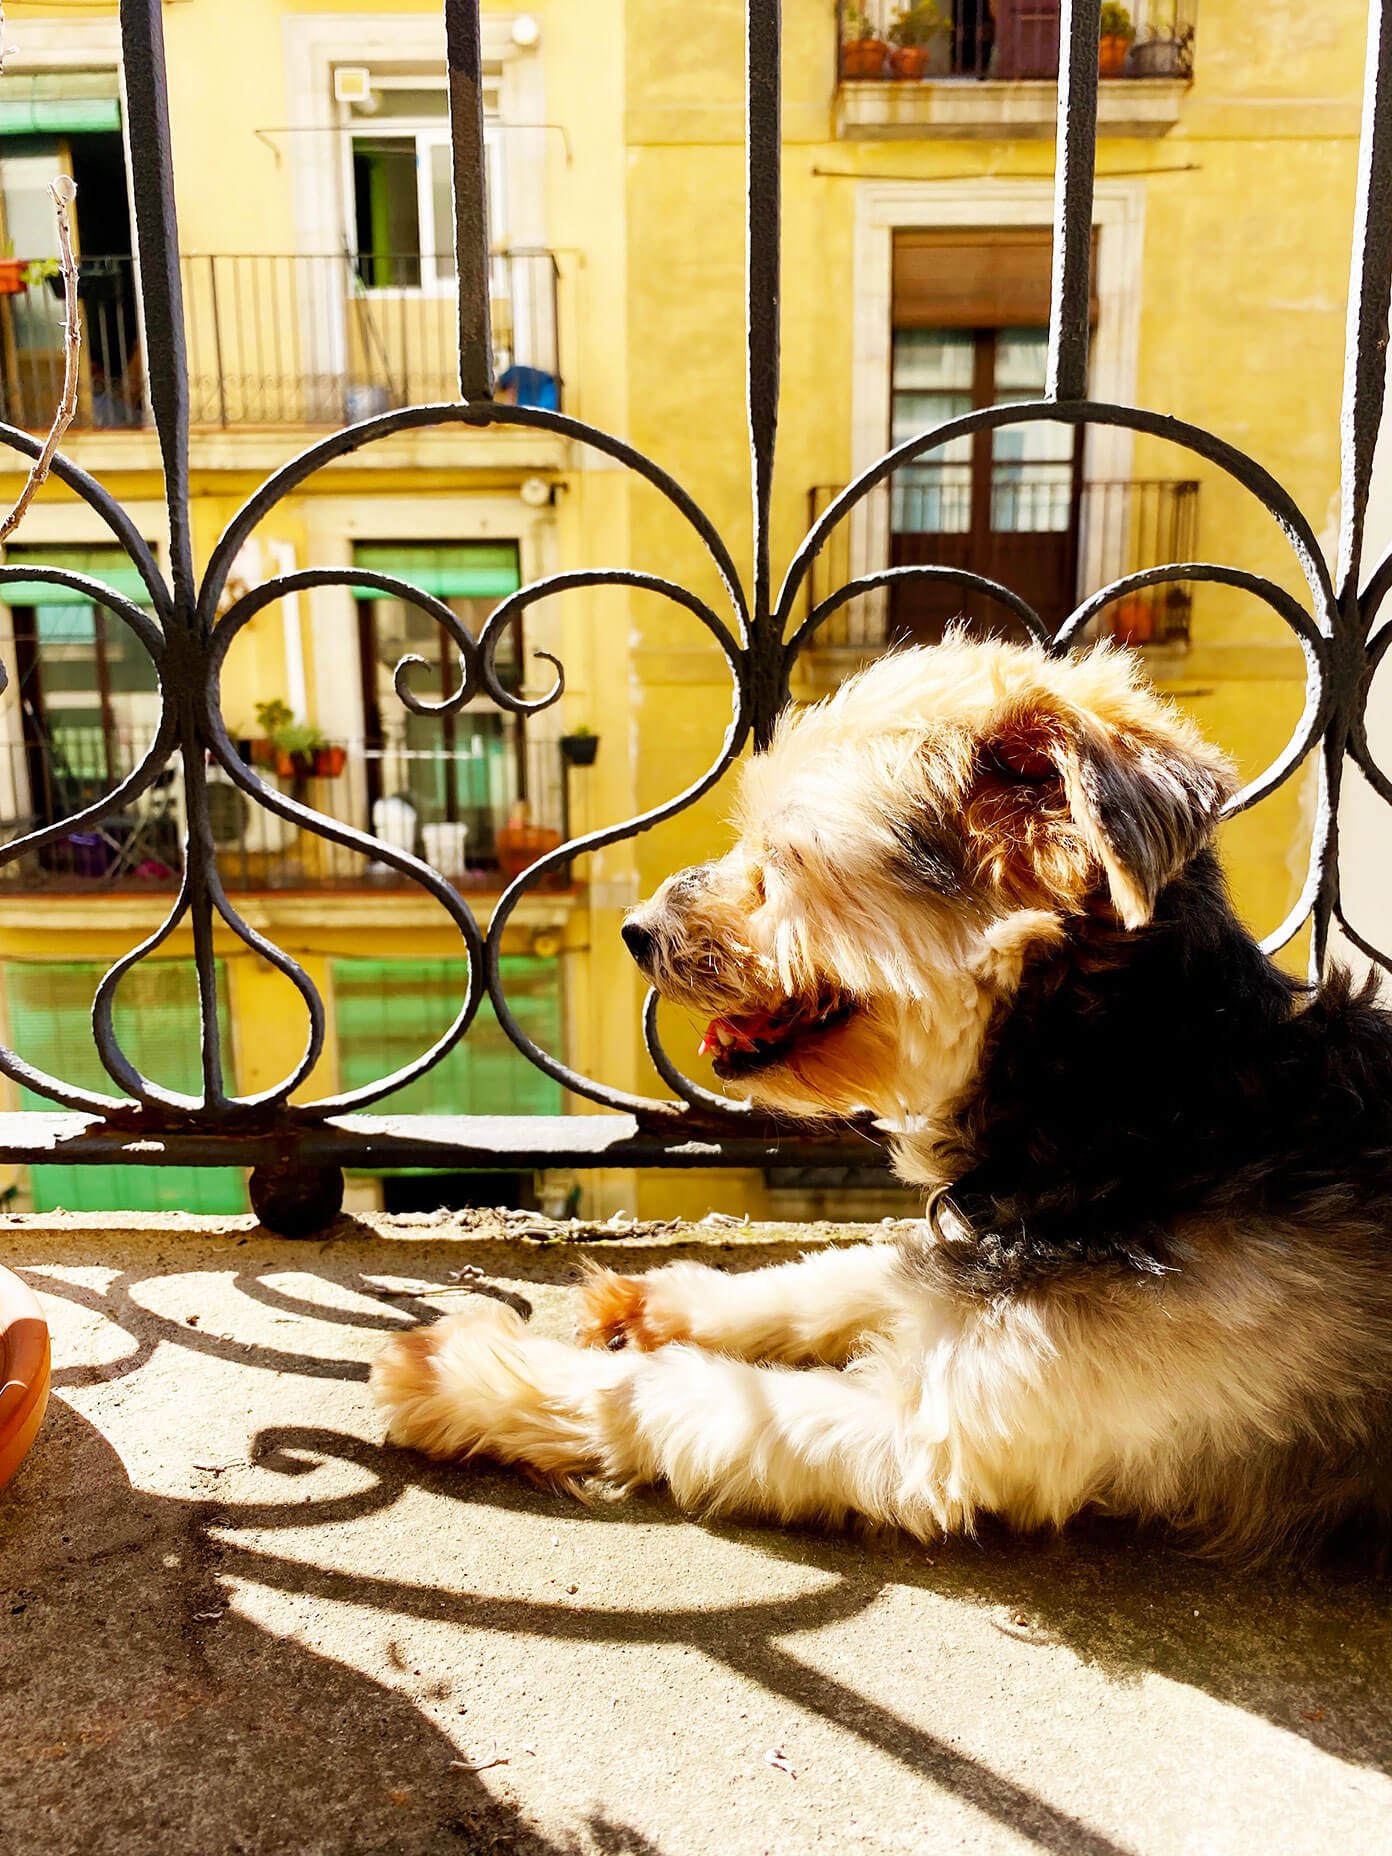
(217,342)
(763,115)
(161,292)
(1365,364)
(464,56)
(1074,159)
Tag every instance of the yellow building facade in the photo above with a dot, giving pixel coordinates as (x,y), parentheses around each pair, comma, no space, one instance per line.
(310,149)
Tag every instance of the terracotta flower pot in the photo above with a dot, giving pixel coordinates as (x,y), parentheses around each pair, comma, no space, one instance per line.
(329,762)
(864,57)
(1111,55)
(519,846)
(24,1371)
(1133,621)
(909,60)
(12,282)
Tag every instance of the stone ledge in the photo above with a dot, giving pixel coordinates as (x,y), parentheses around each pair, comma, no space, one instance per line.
(1016,109)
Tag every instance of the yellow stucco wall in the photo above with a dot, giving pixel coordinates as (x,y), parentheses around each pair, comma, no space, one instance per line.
(1246,207)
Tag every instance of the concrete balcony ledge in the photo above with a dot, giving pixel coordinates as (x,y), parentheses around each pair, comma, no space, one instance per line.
(1023,108)
(233,1620)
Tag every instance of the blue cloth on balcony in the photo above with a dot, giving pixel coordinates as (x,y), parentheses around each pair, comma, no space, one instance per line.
(532,386)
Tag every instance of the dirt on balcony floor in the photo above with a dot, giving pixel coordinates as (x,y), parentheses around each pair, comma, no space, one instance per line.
(232,1620)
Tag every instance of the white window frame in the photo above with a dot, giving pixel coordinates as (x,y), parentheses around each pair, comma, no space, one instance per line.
(428,133)
(884,207)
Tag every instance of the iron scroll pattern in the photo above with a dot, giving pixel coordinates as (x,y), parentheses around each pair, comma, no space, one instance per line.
(758,632)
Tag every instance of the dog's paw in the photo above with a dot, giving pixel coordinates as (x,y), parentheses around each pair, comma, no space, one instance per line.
(642,1312)
(481,1384)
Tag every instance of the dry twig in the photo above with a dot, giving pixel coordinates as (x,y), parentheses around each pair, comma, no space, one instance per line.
(64,192)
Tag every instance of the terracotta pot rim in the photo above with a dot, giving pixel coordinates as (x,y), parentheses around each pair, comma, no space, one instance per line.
(24,1371)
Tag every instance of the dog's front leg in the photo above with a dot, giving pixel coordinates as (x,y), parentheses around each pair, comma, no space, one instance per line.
(818,1310)
(724,1435)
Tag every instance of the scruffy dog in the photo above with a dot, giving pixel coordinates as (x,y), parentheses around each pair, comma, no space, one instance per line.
(974,893)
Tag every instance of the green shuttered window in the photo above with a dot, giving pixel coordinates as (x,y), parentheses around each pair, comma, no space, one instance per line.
(389,1011)
(157,1025)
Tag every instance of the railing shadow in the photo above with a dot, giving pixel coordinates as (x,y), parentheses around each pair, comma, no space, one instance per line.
(1292,1648)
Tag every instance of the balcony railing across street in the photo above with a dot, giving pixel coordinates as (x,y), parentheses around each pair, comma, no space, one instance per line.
(916,41)
(479,812)
(281,340)
(761,625)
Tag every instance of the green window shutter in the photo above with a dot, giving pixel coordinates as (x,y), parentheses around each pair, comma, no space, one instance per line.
(60,103)
(109,565)
(459,570)
(156,1018)
(388,1011)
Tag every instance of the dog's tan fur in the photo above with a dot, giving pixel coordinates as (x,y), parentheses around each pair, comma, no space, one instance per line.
(867,1381)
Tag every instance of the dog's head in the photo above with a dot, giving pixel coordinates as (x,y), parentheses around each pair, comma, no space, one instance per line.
(903,847)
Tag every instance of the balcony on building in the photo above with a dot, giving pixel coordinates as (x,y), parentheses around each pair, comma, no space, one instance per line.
(976,68)
(1051,536)
(277,339)
(480,793)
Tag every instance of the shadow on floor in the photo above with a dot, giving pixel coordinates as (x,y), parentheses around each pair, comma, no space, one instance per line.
(206,1719)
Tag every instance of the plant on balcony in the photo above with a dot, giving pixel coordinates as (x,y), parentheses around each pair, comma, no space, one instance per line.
(1163,54)
(520,843)
(863,51)
(1116,34)
(296,750)
(921,41)
(580,746)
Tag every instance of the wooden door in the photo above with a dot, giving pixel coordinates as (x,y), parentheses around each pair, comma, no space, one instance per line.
(1002,504)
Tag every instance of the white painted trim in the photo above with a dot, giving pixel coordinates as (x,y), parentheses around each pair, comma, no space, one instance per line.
(69,44)
(882,208)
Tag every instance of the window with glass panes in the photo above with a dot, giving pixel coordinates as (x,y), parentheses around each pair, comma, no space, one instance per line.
(87,695)
(970,312)
(468,767)
(400,181)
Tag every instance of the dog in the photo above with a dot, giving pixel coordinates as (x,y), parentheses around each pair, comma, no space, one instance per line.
(975,893)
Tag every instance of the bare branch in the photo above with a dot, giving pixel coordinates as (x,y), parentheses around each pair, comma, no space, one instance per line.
(64,191)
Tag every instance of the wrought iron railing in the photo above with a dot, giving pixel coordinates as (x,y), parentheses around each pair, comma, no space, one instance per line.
(759,626)
(902,41)
(281,339)
(1118,526)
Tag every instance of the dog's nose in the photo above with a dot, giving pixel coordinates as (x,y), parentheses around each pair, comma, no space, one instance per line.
(638,941)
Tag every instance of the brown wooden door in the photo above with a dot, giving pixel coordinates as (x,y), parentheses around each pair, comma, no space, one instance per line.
(1003,504)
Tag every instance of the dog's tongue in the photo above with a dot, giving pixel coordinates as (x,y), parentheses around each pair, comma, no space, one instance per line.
(738,1032)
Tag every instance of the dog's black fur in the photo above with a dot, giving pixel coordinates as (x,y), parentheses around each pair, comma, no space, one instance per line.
(1143,1092)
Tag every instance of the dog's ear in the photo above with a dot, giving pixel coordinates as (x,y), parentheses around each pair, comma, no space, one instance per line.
(1137,799)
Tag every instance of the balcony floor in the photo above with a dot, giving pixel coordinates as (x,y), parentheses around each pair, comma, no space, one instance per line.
(233,1621)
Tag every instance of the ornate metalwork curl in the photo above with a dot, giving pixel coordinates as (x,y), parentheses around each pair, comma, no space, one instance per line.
(760,638)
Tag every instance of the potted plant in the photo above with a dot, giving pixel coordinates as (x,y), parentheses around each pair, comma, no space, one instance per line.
(921,41)
(863,52)
(1133,620)
(580,746)
(519,843)
(1115,39)
(1162,56)
(296,750)
(271,717)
